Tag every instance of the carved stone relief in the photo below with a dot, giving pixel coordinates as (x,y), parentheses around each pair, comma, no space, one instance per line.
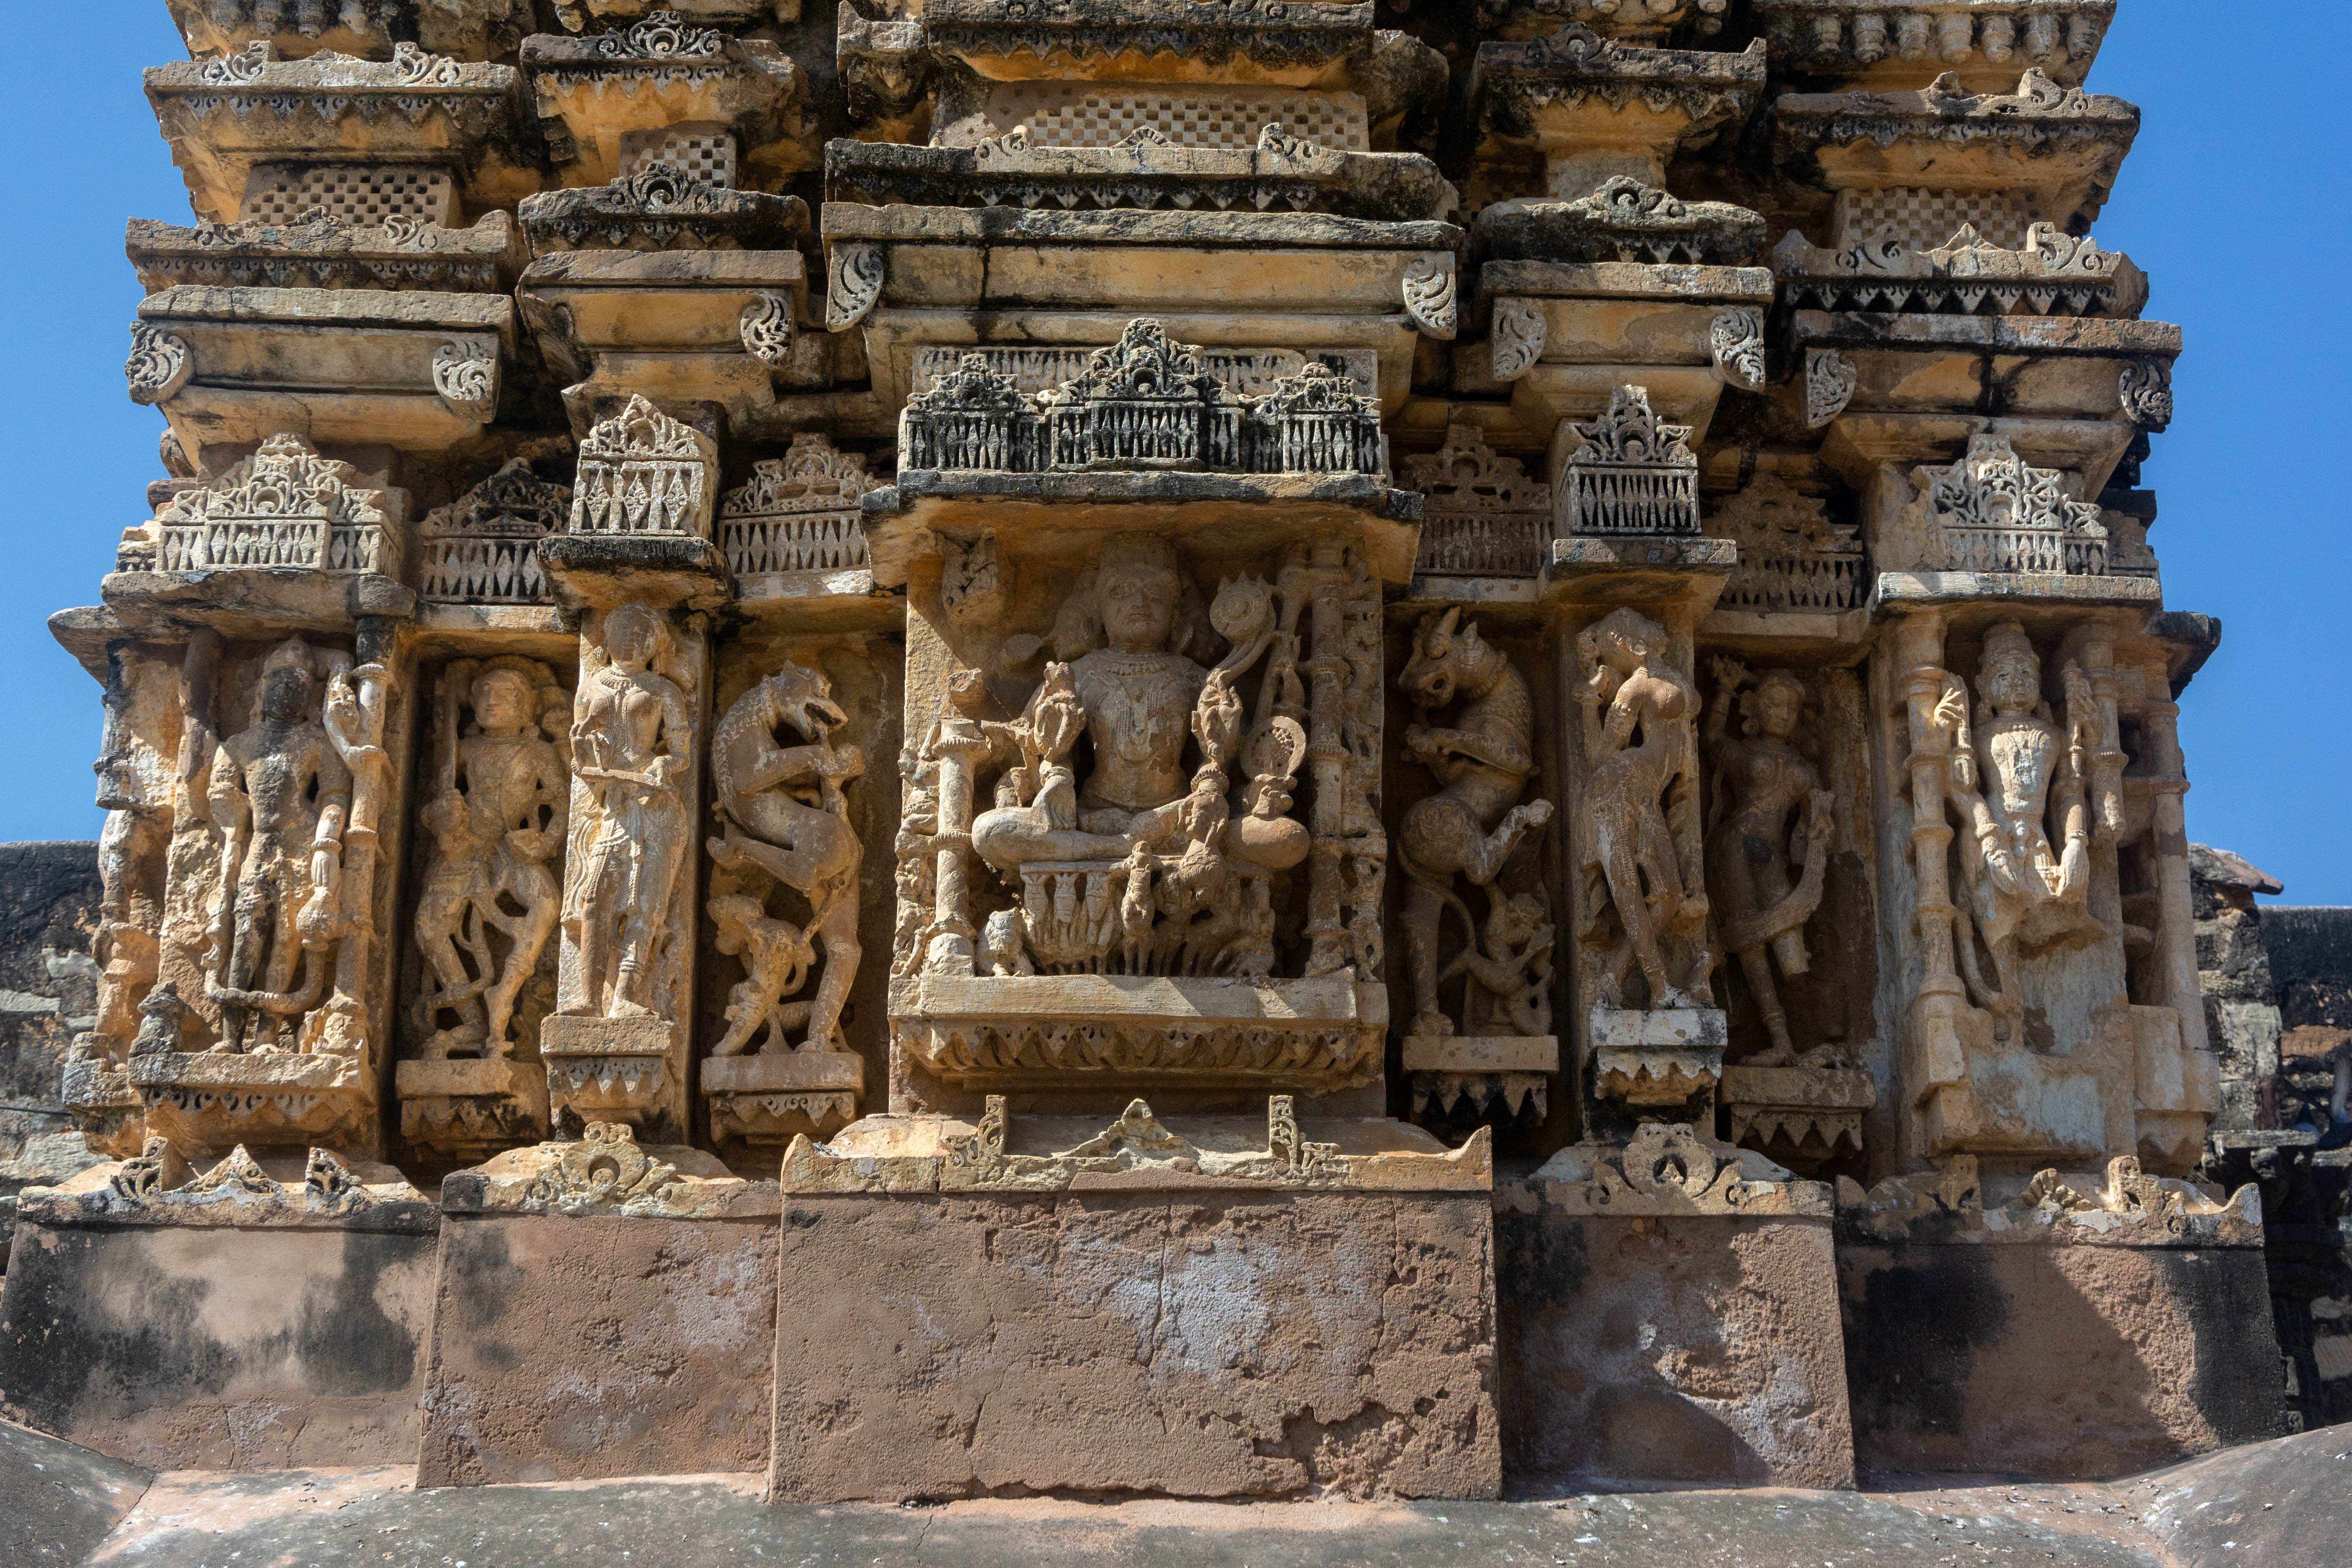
(494,810)
(1482,760)
(784,1067)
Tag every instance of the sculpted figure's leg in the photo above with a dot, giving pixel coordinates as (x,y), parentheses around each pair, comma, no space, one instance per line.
(838,932)
(535,890)
(1424,911)
(440,919)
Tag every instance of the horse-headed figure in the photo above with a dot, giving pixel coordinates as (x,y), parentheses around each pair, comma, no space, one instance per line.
(786,815)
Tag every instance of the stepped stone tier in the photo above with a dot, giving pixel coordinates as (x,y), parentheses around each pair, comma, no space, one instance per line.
(1246,751)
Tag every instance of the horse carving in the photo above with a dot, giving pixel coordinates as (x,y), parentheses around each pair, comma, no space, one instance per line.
(1473,824)
(765,794)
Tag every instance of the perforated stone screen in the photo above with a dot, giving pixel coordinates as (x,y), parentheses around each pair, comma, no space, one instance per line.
(1063,114)
(703,151)
(350,194)
(1924,219)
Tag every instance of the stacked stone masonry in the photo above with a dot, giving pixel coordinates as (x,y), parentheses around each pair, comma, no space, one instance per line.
(1137,748)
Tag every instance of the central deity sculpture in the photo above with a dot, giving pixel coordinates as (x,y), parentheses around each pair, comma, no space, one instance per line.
(1171,878)
(2024,888)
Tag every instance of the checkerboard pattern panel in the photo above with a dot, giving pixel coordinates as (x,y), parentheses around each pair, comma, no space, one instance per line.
(708,156)
(356,194)
(1057,116)
(1924,219)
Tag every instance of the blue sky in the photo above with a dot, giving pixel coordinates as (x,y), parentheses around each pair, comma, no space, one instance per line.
(2229,202)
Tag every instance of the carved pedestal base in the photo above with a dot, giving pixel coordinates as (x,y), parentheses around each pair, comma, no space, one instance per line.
(1069,1031)
(543,1251)
(1813,1113)
(106,1107)
(1462,1078)
(316,1279)
(470,1107)
(211,1102)
(1658,1056)
(2084,1332)
(1735,1377)
(1064,1297)
(1977,1095)
(769,1099)
(605,1069)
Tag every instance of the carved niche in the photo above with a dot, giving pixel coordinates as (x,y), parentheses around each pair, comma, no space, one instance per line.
(1137,815)
(784,1067)
(261,1025)
(494,809)
(1492,1052)
(2056,1013)
(1791,917)
(611,1044)
(1634,473)
(1993,512)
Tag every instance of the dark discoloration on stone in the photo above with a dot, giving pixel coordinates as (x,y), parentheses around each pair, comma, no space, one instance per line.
(1686,1349)
(59,1501)
(1250,1344)
(568,1348)
(193,1347)
(2055,1362)
(50,896)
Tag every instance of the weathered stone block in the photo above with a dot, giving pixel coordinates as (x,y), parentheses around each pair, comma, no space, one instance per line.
(566,1347)
(217,1339)
(2057,1361)
(1693,1349)
(1187,1342)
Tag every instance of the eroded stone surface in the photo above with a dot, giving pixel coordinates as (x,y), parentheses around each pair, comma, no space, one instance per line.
(1192,1343)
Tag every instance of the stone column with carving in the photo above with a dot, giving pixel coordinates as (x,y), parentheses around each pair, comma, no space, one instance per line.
(639,568)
